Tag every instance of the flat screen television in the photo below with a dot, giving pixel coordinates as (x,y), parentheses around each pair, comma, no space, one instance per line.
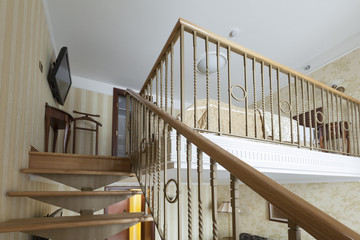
(59,77)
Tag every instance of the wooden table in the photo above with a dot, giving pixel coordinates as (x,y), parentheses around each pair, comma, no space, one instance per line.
(334,130)
(57,119)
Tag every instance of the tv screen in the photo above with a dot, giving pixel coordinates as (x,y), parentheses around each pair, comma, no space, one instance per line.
(59,77)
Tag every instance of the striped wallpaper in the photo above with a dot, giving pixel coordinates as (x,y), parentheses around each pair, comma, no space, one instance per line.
(24,40)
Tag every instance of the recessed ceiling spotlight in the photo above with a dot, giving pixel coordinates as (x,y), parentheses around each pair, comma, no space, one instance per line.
(307,67)
(234,32)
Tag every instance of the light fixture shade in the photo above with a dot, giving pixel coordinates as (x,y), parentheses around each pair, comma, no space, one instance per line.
(225,207)
(201,64)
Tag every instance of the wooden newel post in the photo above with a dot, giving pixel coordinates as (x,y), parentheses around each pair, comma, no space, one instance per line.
(293,231)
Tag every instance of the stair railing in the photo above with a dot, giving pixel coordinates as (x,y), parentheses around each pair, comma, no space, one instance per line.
(273,102)
(149,129)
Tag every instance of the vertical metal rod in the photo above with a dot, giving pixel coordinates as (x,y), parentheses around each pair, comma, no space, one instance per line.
(309,111)
(331,121)
(218,85)
(315,116)
(166,82)
(357,117)
(325,122)
(188,169)
(353,120)
(271,104)
(290,113)
(157,88)
(213,183)
(263,98)
(229,85)
(172,81)
(207,82)
(303,109)
(178,171)
(147,155)
(195,79)
(127,125)
(294,232)
(337,125)
(200,175)
(297,111)
(234,189)
(254,88)
(246,97)
(342,124)
(352,148)
(278,97)
(165,131)
(159,156)
(161,85)
(182,74)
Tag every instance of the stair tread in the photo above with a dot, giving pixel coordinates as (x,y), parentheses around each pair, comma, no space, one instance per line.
(36,224)
(71,155)
(75,172)
(71,193)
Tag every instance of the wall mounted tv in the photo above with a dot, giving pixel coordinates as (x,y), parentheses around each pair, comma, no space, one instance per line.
(59,77)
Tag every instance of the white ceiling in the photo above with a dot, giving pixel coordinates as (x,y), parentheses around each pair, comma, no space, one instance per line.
(118,41)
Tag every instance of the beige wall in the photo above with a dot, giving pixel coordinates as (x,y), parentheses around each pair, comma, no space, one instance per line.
(24,40)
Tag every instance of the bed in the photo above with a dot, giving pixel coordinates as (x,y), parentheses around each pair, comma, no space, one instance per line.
(259,124)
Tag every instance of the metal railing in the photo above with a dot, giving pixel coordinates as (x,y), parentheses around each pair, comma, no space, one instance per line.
(250,97)
(148,148)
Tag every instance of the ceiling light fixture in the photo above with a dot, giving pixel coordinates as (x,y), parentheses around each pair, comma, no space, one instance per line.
(201,63)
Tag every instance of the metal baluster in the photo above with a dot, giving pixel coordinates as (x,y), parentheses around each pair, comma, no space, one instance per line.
(188,169)
(324,121)
(246,97)
(161,85)
(315,116)
(337,125)
(127,125)
(178,171)
(330,117)
(342,124)
(353,120)
(278,97)
(213,183)
(229,85)
(309,111)
(147,140)
(172,80)
(290,112)
(297,111)
(357,125)
(166,82)
(254,88)
(271,104)
(218,85)
(157,88)
(207,82)
(158,168)
(195,80)
(182,74)
(234,189)
(294,232)
(165,131)
(263,98)
(200,175)
(303,110)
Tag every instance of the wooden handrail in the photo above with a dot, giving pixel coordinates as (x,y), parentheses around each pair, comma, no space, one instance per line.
(214,38)
(313,220)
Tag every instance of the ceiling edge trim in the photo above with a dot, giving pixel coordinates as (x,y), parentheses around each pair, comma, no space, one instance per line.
(94,86)
(49,26)
(333,54)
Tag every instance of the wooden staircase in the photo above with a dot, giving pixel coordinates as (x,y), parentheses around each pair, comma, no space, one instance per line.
(86,173)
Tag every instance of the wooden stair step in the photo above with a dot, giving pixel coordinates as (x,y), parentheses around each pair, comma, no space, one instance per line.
(79,201)
(75,227)
(48,160)
(81,179)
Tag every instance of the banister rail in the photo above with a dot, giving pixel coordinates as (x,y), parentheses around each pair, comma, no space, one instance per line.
(308,217)
(276,103)
(214,38)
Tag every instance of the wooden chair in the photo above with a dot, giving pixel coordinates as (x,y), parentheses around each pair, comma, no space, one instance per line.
(87,117)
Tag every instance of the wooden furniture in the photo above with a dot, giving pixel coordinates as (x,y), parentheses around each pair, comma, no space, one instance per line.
(96,130)
(334,130)
(319,117)
(57,119)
